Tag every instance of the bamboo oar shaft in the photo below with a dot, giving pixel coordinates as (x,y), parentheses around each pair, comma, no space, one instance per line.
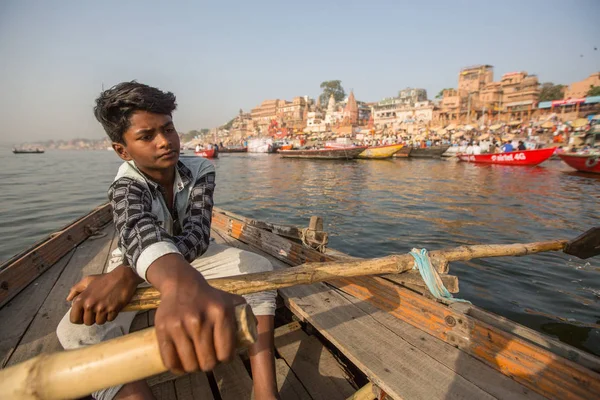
(305,274)
(77,373)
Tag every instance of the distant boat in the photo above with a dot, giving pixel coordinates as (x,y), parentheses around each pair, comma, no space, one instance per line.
(260,145)
(28,151)
(233,149)
(523,157)
(210,153)
(327,154)
(429,152)
(380,152)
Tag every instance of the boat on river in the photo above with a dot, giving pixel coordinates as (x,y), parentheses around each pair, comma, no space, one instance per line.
(429,152)
(345,153)
(422,152)
(380,152)
(582,162)
(519,157)
(29,151)
(207,153)
(397,341)
(233,150)
(261,145)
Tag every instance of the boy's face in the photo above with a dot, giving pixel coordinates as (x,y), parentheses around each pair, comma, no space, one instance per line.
(151,141)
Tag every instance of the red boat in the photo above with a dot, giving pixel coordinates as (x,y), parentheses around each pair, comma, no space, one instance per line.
(519,157)
(207,153)
(582,162)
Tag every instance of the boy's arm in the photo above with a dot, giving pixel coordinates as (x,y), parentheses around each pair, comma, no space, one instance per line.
(195,236)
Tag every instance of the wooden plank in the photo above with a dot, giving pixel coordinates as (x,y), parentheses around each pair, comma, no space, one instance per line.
(288,384)
(553,376)
(233,380)
(164,391)
(19,312)
(194,387)
(476,372)
(397,367)
(414,278)
(89,258)
(19,271)
(538,369)
(312,363)
(562,349)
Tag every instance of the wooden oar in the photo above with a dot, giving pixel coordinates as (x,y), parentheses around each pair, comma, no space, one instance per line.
(585,246)
(75,373)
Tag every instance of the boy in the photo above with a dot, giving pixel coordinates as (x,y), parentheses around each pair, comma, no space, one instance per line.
(162,209)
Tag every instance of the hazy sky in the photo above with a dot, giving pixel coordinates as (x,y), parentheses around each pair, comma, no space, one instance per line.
(220,56)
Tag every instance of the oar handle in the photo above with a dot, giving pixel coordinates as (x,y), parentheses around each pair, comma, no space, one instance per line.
(76,373)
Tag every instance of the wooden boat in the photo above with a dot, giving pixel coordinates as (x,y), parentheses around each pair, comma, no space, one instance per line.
(28,151)
(286,147)
(404,152)
(384,336)
(582,162)
(233,150)
(524,157)
(327,154)
(210,153)
(429,152)
(380,152)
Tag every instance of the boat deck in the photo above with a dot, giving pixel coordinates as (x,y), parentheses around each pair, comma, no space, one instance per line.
(335,344)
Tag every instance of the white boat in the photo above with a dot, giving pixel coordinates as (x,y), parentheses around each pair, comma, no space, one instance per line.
(260,145)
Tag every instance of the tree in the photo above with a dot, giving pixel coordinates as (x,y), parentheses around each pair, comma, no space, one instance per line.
(229,124)
(549,91)
(441,93)
(594,91)
(332,88)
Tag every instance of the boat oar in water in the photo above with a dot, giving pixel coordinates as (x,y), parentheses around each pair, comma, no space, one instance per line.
(585,246)
(136,356)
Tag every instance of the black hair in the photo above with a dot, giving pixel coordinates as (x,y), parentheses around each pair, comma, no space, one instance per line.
(115,106)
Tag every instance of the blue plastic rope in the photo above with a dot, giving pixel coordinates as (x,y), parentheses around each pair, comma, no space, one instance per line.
(430,276)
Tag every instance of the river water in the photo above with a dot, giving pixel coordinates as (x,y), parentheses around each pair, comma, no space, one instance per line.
(371,209)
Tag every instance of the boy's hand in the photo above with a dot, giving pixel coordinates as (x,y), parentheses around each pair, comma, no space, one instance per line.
(195,323)
(99,298)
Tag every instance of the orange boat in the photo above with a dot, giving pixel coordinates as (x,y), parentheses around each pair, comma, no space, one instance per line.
(582,162)
(211,153)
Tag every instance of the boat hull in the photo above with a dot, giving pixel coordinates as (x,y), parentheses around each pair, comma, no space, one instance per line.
(29,151)
(233,150)
(404,152)
(582,162)
(326,154)
(517,158)
(206,153)
(260,146)
(429,152)
(380,152)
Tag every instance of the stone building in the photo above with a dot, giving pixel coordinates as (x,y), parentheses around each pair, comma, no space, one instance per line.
(520,93)
(264,114)
(292,113)
(410,96)
(578,90)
